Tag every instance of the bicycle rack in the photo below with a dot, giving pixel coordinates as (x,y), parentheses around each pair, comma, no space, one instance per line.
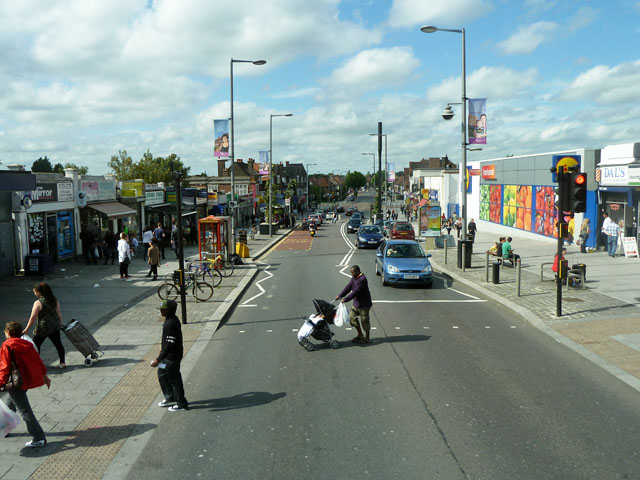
(190,277)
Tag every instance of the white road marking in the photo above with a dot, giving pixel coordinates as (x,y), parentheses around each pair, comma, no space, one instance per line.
(243,305)
(241,331)
(462,293)
(430,301)
(455,326)
(269,331)
(262,290)
(397,328)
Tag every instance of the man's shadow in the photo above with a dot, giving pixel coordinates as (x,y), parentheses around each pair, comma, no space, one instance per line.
(242,400)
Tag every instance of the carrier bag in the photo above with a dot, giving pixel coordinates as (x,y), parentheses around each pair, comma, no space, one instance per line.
(342,315)
(9,419)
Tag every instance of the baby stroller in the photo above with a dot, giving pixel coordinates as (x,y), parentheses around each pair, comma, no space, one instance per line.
(318,328)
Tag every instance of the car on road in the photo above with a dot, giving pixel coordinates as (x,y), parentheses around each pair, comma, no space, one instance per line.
(330,216)
(357,214)
(316,218)
(353,225)
(340,209)
(384,225)
(369,236)
(402,230)
(403,261)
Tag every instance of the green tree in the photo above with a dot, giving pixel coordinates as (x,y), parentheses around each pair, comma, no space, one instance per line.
(43,164)
(82,170)
(58,168)
(150,169)
(355,180)
(121,165)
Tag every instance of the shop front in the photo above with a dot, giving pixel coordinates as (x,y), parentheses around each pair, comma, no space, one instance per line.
(103,212)
(132,195)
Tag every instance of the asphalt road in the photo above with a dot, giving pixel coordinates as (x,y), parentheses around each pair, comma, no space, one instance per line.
(453,386)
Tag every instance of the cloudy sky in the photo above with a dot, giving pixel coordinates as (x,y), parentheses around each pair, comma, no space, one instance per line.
(83,79)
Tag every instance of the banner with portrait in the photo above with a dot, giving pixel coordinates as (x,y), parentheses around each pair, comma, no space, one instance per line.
(263,159)
(477,121)
(391,172)
(221,133)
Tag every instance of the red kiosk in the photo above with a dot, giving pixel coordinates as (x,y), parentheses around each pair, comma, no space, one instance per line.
(214,236)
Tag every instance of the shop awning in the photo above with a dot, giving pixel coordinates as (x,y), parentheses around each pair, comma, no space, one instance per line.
(113,209)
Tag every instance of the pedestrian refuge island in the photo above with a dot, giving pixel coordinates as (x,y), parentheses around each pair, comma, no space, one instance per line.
(214,236)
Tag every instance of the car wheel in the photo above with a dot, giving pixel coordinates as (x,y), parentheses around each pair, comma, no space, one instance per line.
(376,267)
(384,282)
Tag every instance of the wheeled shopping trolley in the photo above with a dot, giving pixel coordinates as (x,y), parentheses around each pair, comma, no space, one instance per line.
(86,344)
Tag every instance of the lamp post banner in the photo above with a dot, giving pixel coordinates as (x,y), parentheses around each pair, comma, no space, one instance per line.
(221,132)
(477,122)
(263,159)
(391,172)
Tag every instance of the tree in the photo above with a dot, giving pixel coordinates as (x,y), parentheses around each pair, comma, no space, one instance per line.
(58,168)
(121,165)
(355,180)
(42,165)
(149,169)
(82,170)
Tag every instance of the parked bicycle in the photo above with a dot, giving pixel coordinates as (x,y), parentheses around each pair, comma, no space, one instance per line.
(218,262)
(171,290)
(206,272)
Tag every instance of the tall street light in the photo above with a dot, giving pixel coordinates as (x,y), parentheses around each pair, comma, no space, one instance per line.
(308,165)
(232,154)
(271,166)
(448,114)
(386,167)
(374,168)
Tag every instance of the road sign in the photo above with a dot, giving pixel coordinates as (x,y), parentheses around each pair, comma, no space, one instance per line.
(287,202)
(233,204)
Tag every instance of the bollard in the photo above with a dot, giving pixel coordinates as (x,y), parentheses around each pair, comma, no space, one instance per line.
(445,250)
(518,273)
(486,269)
(464,257)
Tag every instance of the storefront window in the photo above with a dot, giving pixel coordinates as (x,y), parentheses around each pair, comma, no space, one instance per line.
(65,234)
(36,232)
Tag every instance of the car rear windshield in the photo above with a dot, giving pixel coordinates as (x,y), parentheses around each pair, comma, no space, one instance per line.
(405,251)
(355,220)
(404,227)
(370,229)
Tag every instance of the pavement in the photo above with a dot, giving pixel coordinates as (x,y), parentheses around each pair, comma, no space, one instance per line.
(99,417)
(601,322)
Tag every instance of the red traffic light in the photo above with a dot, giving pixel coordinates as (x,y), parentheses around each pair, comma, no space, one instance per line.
(580,179)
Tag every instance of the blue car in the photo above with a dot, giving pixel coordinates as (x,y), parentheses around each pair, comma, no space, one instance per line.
(369,236)
(403,261)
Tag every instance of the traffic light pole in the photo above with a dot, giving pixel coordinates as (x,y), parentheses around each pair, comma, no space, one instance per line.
(560,274)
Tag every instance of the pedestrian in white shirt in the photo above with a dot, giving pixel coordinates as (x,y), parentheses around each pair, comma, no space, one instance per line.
(124,256)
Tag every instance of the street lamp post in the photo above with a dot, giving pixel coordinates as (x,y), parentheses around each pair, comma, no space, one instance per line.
(308,165)
(463,164)
(374,167)
(232,153)
(386,168)
(271,166)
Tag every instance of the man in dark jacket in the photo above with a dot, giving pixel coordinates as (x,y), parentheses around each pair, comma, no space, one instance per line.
(358,290)
(168,361)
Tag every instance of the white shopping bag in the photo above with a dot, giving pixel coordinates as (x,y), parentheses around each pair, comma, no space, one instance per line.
(9,420)
(342,315)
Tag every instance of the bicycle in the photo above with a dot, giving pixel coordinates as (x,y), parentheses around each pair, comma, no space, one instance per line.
(225,267)
(203,269)
(171,291)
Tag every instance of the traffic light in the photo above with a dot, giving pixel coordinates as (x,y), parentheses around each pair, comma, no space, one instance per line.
(578,192)
(562,193)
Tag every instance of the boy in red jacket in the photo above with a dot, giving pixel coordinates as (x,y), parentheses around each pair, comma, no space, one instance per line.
(33,374)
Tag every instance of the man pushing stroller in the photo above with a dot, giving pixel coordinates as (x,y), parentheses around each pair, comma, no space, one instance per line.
(358,290)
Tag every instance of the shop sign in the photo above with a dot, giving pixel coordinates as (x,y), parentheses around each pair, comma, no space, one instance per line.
(630,246)
(98,189)
(132,189)
(489,172)
(475,172)
(614,175)
(65,192)
(634,174)
(425,193)
(154,197)
(45,192)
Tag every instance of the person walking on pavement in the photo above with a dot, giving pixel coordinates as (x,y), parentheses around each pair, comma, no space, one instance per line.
(612,231)
(154,259)
(168,361)
(472,230)
(458,226)
(159,234)
(358,290)
(124,256)
(147,236)
(46,310)
(111,246)
(33,374)
(585,230)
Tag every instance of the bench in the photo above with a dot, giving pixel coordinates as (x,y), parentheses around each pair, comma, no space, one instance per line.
(575,276)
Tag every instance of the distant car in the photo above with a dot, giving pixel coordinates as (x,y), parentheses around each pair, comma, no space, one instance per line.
(306,222)
(403,261)
(330,216)
(340,209)
(321,213)
(316,218)
(402,230)
(357,214)
(349,211)
(369,236)
(385,226)
(353,225)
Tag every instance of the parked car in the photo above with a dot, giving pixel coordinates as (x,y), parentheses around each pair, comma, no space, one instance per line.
(403,261)
(402,230)
(369,236)
(353,225)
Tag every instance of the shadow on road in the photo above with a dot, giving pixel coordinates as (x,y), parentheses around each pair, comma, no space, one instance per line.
(243,400)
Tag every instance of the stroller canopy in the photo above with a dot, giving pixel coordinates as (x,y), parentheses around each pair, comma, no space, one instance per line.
(325,308)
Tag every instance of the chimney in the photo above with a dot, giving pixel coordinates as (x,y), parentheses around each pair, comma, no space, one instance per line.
(239,160)
(221,167)
(72,173)
(250,162)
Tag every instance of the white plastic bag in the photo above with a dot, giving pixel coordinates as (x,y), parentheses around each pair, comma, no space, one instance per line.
(9,419)
(29,339)
(342,315)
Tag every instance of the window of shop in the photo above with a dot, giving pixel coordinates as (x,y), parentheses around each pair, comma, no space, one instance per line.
(36,232)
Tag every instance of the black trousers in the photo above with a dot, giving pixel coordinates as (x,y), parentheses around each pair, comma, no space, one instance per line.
(55,339)
(170,380)
(124,269)
(153,270)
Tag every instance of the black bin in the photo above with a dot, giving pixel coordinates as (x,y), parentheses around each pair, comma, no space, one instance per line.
(578,267)
(468,250)
(495,273)
(37,264)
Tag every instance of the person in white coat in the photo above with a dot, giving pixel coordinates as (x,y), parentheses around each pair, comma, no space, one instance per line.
(124,256)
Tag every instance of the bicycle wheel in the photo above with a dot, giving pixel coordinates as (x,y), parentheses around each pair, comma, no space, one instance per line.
(215,277)
(226,268)
(168,291)
(203,291)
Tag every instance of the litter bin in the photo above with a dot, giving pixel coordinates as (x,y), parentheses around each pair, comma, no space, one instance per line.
(468,250)
(37,264)
(496,273)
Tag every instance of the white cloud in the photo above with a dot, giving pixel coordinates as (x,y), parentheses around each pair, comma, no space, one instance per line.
(606,85)
(449,13)
(373,69)
(528,38)
(583,18)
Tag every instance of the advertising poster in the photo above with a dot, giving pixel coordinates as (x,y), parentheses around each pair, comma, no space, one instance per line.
(263,159)
(477,121)
(430,221)
(65,234)
(517,206)
(221,133)
(491,203)
(391,172)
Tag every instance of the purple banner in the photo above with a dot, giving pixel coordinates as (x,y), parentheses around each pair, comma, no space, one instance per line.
(477,122)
